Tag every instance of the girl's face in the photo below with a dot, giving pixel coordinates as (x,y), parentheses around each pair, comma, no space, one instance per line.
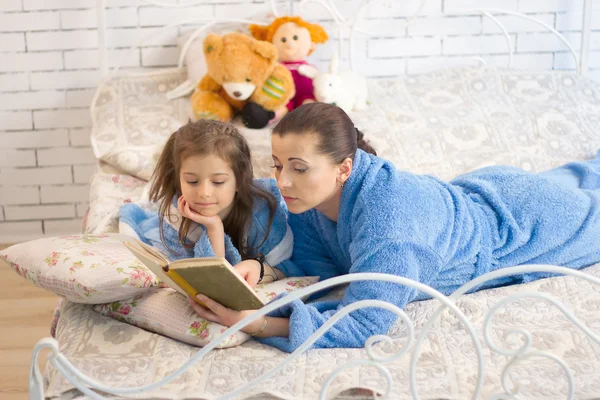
(305,178)
(293,42)
(208,184)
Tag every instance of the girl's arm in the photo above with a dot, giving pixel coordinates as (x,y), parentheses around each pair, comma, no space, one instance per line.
(216,235)
(250,271)
(213,225)
(272,274)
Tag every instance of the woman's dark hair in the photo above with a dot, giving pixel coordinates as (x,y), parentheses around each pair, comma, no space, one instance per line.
(338,137)
(206,137)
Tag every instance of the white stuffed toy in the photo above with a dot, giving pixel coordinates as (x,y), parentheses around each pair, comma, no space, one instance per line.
(346,90)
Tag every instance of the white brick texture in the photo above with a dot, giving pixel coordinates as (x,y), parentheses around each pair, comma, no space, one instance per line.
(14,230)
(11,120)
(23,213)
(11,5)
(13,82)
(58,193)
(12,42)
(32,100)
(49,72)
(83,173)
(62,227)
(477,44)
(19,195)
(33,139)
(17,158)
(35,176)
(42,61)
(29,21)
(66,156)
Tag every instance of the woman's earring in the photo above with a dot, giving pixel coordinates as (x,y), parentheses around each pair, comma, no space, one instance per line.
(342,184)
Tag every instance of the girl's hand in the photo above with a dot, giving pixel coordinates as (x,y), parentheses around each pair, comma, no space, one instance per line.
(220,314)
(249,270)
(209,222)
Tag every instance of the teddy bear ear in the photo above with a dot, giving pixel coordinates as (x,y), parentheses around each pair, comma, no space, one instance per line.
(213,43)
(265,50)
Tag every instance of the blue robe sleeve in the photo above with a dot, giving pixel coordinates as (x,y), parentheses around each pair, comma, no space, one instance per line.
(203,248)
(392,255)
(145,223)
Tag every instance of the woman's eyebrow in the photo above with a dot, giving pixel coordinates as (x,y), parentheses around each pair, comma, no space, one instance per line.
(296,158)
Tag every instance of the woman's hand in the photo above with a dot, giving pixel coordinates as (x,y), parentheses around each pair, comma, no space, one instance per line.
(209,222)
(249,270)
(220,314)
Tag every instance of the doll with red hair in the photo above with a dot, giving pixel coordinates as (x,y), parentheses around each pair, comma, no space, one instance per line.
(295,39)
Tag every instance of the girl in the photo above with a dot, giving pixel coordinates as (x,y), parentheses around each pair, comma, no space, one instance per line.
(353,212)
(209,203)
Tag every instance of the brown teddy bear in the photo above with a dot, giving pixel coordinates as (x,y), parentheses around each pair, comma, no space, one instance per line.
(243,75)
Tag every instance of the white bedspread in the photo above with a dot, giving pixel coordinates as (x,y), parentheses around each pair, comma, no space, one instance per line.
(123,355)
(443,123)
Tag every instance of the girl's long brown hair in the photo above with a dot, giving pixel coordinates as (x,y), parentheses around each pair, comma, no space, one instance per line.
(206,137)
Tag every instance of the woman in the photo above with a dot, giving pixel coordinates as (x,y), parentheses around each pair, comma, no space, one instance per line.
(352,212)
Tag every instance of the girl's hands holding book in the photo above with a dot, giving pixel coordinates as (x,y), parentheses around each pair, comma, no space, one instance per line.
(220,314)
(263,327)
(249,270)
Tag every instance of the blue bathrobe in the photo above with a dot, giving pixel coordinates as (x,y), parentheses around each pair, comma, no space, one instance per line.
(276,248)
(440,234)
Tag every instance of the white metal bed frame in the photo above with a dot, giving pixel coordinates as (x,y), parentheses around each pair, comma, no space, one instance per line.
(84,383)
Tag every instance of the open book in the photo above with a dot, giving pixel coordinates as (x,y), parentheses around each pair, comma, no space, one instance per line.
(210,276)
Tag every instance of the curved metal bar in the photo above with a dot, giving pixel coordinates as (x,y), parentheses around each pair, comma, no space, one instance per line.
(485,277)
(495,11)
(506,36)
(80,379)
(274,9)
(386,373)
(570,316)
(511,394)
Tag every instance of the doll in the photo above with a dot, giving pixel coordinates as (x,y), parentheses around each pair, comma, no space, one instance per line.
(295,39)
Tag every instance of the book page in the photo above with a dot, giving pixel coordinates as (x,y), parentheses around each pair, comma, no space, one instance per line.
(222,284)
(152,265)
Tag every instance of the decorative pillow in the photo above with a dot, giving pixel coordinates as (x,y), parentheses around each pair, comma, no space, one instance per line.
(168,313)
(82,268)
(108,192)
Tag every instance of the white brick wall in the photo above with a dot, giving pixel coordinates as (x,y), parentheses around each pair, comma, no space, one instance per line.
(49,71)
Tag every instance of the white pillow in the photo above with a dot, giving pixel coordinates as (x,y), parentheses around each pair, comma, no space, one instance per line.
(83,268)
(168,313)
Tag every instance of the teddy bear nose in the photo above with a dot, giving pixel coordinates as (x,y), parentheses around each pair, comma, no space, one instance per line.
(237,93)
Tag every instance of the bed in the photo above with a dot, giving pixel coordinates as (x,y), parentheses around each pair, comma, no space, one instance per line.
(536,340)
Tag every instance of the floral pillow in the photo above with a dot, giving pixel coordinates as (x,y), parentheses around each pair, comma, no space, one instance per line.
(83,268)
(168,313)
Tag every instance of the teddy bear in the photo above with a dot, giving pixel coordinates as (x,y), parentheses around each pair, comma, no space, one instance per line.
(243,76)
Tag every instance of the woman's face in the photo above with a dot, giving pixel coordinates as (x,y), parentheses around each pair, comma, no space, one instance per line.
(305,178)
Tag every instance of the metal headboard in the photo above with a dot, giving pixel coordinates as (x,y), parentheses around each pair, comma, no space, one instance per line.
(348,27)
